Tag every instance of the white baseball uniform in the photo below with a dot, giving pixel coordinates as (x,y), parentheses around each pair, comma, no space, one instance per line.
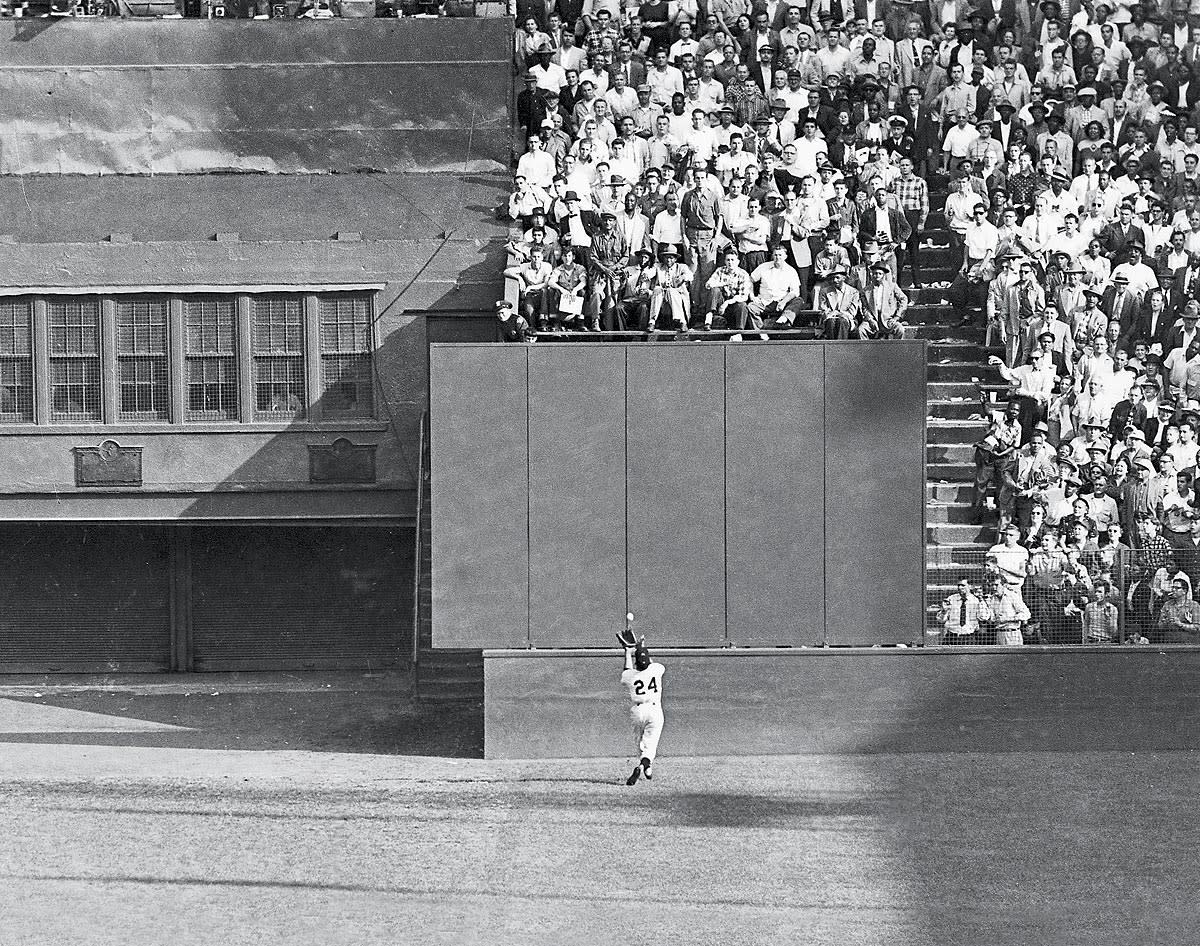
(645,697)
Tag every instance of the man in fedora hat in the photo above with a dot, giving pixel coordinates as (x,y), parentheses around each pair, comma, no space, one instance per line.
(606,263)
(1049,339)
(1141,277)
(882,307)
(672,289)
(1116,236)
(840,307)
(636,290)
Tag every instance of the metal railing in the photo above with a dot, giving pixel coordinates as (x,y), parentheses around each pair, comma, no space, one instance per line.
(1062,596)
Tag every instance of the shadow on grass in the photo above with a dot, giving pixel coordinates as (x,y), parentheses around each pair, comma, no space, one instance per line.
(372,722)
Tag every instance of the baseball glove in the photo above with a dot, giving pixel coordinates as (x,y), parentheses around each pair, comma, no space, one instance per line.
(626,639)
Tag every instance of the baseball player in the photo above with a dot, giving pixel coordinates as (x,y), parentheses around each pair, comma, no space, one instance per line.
(643,679)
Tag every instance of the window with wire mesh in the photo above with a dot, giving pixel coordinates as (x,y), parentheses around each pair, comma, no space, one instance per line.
(16,361)
(210,327)
(142,358)
(346,372)
(74,334)
(278,345)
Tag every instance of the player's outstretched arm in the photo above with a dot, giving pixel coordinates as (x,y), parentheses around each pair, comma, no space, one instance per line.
(627,640)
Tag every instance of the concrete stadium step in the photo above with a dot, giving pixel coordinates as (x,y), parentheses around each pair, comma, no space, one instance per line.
(943,333)
(950,453)
(946,565)
(939,311)
(942,471)
(964,409)
(955,513)
(960,371)
(949,492)
(944,533)
(943,350)
(930,294)
(945,390)
(967,431)
(935,275)
(935,257)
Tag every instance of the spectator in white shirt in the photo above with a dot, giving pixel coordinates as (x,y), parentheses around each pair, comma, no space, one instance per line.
(809,149)
(621,99)
(778,289)
(536,166)
(664,80)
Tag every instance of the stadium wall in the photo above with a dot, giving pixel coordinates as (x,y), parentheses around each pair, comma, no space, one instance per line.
(569,704)
(114,96)
(755,494)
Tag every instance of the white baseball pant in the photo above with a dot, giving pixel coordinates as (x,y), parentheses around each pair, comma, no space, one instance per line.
(647,725)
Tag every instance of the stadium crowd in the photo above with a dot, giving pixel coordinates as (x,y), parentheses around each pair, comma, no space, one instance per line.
(761,166)
(757,167)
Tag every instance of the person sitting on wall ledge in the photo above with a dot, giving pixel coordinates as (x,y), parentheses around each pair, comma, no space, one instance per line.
(513,327)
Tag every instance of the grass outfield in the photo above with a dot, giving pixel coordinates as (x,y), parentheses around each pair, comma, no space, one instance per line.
(153,845)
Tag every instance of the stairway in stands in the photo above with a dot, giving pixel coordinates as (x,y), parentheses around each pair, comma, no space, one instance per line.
(957,359)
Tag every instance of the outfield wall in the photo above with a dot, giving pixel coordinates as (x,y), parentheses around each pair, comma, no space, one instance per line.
(112,96)
(749,495)
(569,704)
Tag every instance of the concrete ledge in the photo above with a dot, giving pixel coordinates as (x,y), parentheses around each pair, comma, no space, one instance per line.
(769,701)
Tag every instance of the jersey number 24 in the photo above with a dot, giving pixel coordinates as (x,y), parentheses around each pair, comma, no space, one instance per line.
(640,688)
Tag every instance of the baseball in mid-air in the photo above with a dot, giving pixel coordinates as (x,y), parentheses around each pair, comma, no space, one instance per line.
(629,616)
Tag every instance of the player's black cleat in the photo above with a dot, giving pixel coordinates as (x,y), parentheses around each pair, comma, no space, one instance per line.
(645,766)
(637,774)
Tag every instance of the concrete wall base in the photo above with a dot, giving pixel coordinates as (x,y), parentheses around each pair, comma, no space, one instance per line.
(770,701)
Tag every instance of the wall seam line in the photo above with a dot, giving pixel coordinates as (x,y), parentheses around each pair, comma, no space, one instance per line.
(528,516)
(825,496)
(725,483)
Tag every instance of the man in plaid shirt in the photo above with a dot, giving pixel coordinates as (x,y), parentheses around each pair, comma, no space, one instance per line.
(746,98)
(729,289)
(913,195)
(1155,551)
(603,29)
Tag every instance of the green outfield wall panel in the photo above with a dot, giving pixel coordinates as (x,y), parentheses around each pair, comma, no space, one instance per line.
(743,495)
(874,490)
(775,494)
(675,416)
(576,495)
(480,496)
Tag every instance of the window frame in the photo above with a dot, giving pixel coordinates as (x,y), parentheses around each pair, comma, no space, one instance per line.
(142,359)
(206,356)
(364,353)
(18,360)
(276,356)
(55,418)
(176,416)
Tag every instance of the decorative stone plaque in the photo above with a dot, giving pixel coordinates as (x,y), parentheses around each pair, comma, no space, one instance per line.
(341,462)
(109,464)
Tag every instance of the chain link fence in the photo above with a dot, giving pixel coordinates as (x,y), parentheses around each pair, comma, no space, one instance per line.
(1063,595)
